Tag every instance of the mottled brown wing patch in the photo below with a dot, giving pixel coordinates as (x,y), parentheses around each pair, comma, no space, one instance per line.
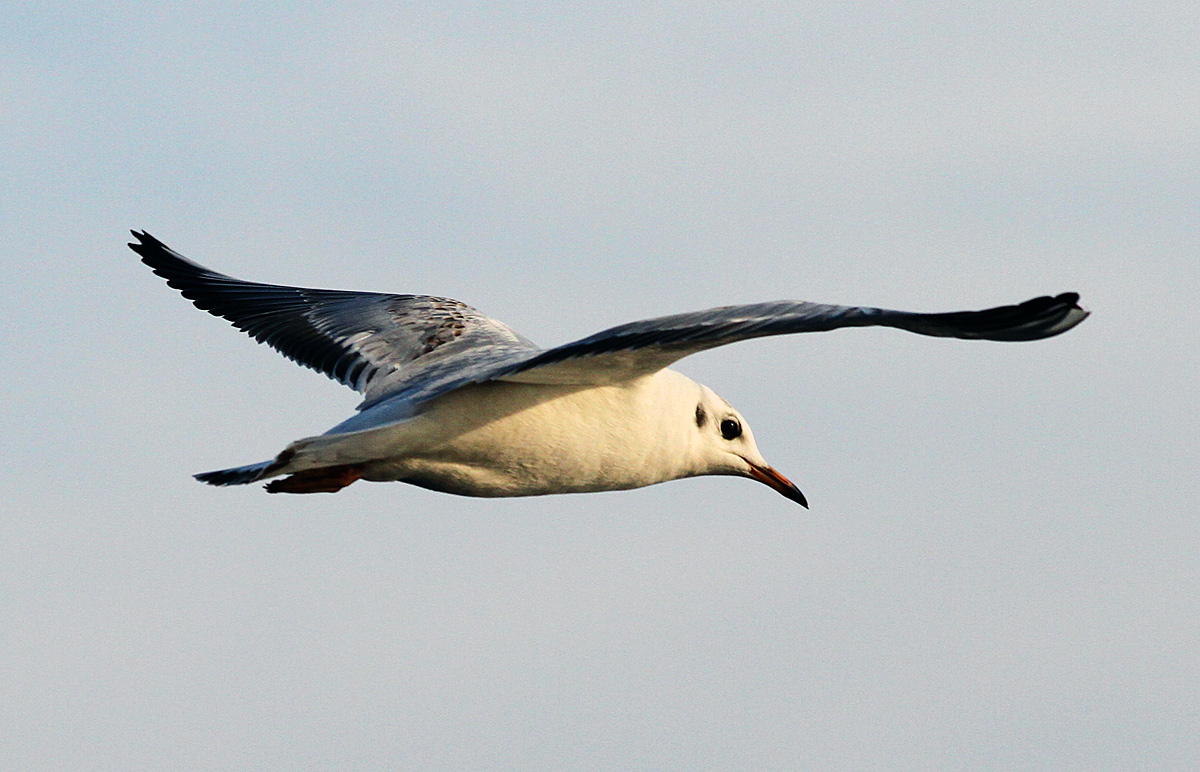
(451,323)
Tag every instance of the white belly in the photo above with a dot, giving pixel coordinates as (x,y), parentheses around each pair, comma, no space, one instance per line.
(515,439)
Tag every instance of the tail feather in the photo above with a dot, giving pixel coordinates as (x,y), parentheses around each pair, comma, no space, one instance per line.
(239,475)
(316,464)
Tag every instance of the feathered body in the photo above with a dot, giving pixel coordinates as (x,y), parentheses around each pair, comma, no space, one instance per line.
(458,402)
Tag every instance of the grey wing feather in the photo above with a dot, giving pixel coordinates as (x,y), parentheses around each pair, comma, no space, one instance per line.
(375,343)
(638,348)
(401,351)
(629,351)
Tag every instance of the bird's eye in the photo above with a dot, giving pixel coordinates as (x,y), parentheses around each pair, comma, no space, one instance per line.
(731,429)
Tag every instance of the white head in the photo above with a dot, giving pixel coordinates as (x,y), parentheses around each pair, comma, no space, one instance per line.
(724,444)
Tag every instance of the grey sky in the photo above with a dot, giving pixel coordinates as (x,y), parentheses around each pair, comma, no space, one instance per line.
(999,569)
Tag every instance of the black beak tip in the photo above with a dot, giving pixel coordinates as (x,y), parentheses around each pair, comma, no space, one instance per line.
(795,495)
(781,484)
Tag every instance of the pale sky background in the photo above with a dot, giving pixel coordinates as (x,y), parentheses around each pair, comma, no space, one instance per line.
(1000,568)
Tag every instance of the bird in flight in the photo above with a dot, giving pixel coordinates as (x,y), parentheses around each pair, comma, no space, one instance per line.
(457,402)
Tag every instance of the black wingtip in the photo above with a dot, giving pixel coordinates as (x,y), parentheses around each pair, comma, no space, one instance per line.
(1070,313)
(146,246)
(144,239)
(180,272)
(1037,318)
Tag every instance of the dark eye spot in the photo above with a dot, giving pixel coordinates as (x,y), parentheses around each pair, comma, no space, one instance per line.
(731,429)
(701,416)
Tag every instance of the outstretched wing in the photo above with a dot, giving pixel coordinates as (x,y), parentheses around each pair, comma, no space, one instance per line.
(372,342)
(623,353)
(630,350)
(404,350)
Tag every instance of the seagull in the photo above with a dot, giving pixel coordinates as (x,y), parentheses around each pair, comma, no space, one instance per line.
(457,402)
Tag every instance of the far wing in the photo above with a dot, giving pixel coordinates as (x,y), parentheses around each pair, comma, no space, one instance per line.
(372,342)
(631,350)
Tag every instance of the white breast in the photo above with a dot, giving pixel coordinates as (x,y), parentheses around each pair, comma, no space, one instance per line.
(515,439)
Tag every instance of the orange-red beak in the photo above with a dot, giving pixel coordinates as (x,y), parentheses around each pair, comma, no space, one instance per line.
(768,476)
